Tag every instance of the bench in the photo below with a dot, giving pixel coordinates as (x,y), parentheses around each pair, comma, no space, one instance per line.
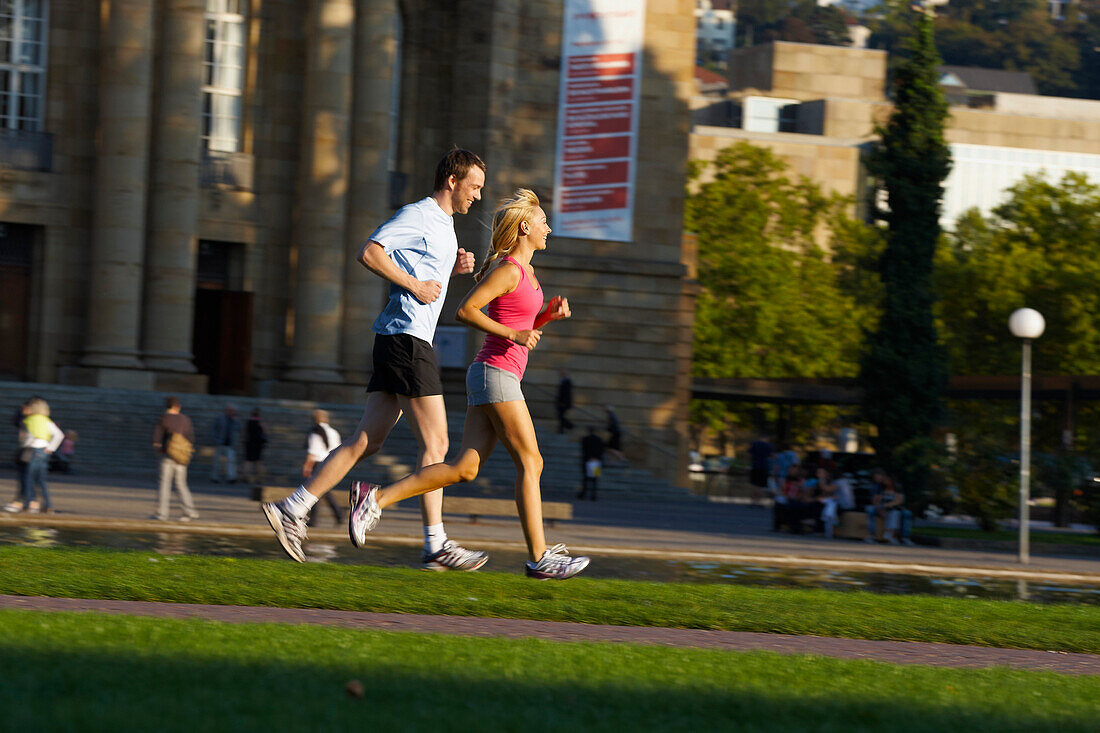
(475,507)
(478,507)
(853,525)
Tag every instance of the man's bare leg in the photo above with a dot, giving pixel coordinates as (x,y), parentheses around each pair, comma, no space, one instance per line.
(427,416)
(287,517)
(379,416)
(478,441)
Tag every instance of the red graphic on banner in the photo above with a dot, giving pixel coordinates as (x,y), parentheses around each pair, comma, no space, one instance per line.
(593,199)
(603,64)
(599,90)
(597,119)
(595,174)
(595,148)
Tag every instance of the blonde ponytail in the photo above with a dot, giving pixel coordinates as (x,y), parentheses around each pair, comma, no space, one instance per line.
(510,213)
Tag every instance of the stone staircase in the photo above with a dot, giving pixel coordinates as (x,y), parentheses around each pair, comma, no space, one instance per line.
(116,429)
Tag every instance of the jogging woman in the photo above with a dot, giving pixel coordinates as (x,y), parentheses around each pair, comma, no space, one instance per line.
(508,288)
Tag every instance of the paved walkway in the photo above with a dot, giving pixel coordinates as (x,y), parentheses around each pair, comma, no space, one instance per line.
(895,652)
(696,530)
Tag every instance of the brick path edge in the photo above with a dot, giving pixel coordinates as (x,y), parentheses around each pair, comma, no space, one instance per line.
(893,652)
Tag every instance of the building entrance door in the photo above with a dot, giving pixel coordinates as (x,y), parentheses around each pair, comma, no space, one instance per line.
(222,336)
(223,339)
(15,290)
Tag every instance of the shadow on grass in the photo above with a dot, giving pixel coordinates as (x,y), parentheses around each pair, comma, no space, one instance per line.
(152,691)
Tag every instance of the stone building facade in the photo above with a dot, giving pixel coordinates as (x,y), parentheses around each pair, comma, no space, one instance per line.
(183,209)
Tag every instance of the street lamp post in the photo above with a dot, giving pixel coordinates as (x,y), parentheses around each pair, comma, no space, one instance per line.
(1026,324)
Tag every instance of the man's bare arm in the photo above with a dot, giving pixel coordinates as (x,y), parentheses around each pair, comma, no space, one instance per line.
(374,258)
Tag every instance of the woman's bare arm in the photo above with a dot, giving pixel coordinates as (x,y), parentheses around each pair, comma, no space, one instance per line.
(501,280)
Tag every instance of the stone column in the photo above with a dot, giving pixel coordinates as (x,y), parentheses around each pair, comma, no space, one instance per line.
(122,161)
(171,248)
(322,192)
(375,83)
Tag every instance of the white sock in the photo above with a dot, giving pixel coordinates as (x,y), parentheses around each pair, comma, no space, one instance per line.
(434,537)
(300,502)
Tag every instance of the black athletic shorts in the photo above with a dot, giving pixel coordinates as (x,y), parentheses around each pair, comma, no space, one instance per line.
(404,365)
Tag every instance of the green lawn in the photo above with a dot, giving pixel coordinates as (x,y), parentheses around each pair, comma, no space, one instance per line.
(67,671)
(1046,537)
(85,573)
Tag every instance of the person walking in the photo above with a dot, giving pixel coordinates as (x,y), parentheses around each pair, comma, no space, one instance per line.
(39,437)
(16,503)
(508,288)
(255,438)
(614,445)
(226,430)
(760,456)
(417,252)
(563,402)
(591,463)
(322,440)
(174,440)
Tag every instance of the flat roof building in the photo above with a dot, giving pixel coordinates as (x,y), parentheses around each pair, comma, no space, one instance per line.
(816,107)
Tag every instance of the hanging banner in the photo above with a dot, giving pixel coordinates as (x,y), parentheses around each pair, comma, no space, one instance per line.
(601,78)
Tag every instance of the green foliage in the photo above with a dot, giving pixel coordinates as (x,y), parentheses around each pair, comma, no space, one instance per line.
(903,369)
(1089,503)
(772,303)
(986,481)
(800,21)
(1038,249)
(1015,35)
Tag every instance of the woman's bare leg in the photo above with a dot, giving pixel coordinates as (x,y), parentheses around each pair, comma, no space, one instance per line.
(513,426)
(478,441)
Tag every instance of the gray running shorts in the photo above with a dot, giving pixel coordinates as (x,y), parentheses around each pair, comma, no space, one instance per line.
(488,384)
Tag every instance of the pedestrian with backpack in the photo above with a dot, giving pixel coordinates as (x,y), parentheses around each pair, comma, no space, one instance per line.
(322,440)
(174,441)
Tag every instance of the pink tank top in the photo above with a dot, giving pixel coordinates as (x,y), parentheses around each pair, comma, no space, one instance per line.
(517,310)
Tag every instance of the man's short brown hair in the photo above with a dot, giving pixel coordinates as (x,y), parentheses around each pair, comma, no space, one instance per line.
(457,163)
(171,402)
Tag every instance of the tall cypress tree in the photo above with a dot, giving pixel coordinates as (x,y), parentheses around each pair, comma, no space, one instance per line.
(903,369)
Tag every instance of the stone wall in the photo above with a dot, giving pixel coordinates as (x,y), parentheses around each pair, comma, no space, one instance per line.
(809,71)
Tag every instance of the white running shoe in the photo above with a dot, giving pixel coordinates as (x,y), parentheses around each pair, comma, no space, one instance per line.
(365,512)
(453,557)
(555,564)
(290,530)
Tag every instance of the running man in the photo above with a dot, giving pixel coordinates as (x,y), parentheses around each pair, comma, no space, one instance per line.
(417,252)
(511,293)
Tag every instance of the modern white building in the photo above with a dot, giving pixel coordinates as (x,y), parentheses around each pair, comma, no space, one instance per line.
(715,28)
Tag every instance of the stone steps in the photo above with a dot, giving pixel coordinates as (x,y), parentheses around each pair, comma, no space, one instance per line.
(116,429)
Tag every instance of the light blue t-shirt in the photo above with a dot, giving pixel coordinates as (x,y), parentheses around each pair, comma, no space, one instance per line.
(420,239)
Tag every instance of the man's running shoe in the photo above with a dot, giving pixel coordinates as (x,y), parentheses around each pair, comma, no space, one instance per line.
(365,512)
(290,530)
(454,557)
(556,565)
